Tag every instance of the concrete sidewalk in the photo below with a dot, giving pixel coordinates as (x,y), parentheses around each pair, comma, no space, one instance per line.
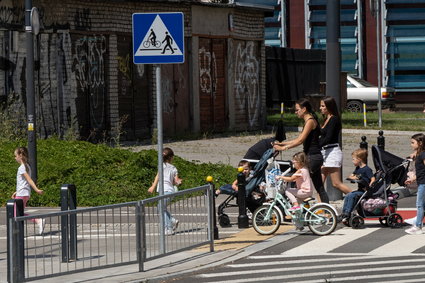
(231,246)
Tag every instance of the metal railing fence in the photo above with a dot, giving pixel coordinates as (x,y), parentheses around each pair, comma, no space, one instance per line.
(107,236)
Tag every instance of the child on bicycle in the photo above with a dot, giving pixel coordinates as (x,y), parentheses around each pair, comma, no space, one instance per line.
(304,185)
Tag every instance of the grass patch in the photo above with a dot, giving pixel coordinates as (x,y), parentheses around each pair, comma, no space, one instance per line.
(396,121)
(102,175)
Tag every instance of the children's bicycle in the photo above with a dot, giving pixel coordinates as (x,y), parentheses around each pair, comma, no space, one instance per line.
(321,218)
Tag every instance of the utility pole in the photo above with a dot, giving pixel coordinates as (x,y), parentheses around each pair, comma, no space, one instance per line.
(375,9)
(31,117)
(333,70)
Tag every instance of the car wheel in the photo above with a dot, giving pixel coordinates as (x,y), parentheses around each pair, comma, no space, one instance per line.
(354,106)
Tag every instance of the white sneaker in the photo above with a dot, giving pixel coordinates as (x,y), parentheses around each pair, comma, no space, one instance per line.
(41,224)
(175,224)
(413,230)
(169,232)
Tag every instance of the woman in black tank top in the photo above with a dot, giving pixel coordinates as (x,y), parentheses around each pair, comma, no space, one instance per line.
(309,138)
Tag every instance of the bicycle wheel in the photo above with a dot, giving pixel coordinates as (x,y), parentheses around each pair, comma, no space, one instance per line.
(321,220)
(266,224)
(146,44)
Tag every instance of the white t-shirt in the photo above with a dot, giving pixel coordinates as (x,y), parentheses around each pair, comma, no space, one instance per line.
(23,188)
(170,172)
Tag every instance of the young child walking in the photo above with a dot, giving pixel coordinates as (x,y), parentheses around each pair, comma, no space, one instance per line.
(417,143)
(24,183)
(171,179)
(304,185)
(364,174)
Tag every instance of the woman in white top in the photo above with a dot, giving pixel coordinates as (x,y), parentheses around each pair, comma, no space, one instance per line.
(24,183)
(171,179)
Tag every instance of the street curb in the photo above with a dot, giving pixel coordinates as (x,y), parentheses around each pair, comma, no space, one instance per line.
(232,256)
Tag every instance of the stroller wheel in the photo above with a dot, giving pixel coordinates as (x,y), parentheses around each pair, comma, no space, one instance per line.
(383,221)
(395,220)
(356,222)
(224,220)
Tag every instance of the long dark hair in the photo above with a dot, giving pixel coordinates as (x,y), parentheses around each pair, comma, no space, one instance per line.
(305,103)
(331,105)
(167,154)
(23,153)
(420,139)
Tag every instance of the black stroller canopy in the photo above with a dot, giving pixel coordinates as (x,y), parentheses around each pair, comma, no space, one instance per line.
(389,163)
(257,150)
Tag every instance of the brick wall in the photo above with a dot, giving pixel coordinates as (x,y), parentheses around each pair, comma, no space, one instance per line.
(76,85)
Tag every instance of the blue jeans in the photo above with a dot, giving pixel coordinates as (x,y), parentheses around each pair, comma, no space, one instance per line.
(350,201)
(168,218)
(420,203)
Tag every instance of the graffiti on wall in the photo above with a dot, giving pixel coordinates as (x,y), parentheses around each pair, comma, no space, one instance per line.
(124,65)
(247,80)
(89,69)
(82,19)
(12,12)
(167,94)
(207,71)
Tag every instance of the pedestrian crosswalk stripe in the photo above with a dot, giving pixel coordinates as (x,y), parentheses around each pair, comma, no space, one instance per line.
(353,266)
(327,260)
(329,273)
(376,276)
(327,243)
(371,276)
(410,243)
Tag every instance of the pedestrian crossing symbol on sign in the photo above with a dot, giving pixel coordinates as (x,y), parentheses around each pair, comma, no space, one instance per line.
(158,38)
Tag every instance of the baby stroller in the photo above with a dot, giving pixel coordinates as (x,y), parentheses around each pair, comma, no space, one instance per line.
(379,201)
(254,197)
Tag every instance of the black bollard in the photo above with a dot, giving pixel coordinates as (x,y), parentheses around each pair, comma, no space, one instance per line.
(381,140)
(212,189)
(69,223)
(15,241)
(242,218)
(363,143)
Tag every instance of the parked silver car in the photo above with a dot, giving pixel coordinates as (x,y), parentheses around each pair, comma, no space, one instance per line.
(360,91)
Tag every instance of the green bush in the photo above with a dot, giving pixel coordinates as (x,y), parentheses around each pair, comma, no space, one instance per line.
(102,175)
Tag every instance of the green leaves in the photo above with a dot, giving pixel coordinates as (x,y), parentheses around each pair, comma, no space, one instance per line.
(102,175)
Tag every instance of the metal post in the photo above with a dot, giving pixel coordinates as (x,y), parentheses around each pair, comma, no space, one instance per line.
(378,48)
(64,224)
(31,115)
(363,143)
(376,12)
(72,205)
(160,157)
(214,216)
(212,226)
(333,70)
(15,241)
(242,218)
(333,51)
(381,140)
(140,235)
(69,223)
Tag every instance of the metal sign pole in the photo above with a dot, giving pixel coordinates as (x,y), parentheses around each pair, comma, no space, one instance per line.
(160,157)
(31,117)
